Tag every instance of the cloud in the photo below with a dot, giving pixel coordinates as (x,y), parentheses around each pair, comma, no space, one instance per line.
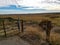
(32,4)
(7,2)
(40,4)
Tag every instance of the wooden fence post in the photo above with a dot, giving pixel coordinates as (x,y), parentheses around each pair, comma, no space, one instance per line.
(21,25)
(4,28)
(47,26)
(18,24)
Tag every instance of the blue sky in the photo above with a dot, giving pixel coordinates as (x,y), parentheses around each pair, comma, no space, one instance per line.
(29,6)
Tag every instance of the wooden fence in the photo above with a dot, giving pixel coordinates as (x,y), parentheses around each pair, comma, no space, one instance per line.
(10,26)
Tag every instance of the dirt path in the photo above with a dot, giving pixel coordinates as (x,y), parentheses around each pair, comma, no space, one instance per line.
(14,41)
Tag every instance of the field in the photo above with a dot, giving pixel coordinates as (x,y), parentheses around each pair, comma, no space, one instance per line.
(32,32)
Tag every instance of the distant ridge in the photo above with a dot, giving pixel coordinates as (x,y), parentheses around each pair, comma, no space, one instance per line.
(30,14)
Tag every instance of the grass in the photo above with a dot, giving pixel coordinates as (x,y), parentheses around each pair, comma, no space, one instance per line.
(31,37)
(37,18)
(30,30)
(55,39)
(36,31)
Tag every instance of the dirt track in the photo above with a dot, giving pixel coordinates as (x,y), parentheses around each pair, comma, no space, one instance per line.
(14,41)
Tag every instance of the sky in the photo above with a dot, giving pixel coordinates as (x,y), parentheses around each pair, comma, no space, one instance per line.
(29,6)
(41,4)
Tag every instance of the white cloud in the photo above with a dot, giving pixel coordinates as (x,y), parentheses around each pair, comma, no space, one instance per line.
(35,4)
(42,4)
(7,2)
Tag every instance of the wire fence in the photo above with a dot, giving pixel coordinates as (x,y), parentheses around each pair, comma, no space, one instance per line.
(9,26)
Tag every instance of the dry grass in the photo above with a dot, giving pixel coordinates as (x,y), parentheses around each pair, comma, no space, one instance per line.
(37,17)
(33,31)
(30,32)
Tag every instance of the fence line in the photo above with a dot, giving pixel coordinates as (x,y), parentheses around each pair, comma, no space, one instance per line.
(19,26)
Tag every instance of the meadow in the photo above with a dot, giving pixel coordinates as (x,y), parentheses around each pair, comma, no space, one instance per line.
(34,34)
